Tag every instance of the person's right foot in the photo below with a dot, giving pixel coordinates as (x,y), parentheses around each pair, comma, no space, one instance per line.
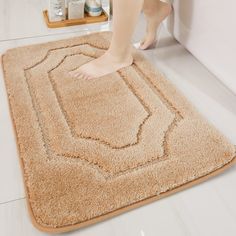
(155,13)
(101,66)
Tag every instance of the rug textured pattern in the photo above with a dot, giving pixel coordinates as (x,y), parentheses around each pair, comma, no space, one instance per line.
(91,149)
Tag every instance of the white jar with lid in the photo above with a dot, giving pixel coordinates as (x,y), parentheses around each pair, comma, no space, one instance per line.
(93,7)
(75,9)
(56,10)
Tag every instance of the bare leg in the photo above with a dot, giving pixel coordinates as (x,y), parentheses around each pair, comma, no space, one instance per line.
(125,17)
(155,12)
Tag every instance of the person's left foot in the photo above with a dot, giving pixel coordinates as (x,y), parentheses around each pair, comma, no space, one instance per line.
(101,66)
(154,14)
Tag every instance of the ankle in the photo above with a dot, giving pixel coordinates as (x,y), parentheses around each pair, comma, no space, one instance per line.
(118,57)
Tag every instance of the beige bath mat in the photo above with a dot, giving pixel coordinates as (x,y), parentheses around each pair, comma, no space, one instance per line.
(92,149)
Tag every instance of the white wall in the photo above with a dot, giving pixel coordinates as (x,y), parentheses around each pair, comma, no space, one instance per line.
(207,28)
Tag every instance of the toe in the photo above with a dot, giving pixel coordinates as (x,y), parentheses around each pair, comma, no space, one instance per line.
(80,76)
(89,77)
(72,73)
(145,44)
(77,75)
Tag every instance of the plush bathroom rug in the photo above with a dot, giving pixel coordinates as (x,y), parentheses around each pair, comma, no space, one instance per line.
(92,149)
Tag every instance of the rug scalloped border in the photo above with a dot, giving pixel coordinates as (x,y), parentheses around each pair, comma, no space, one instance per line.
(117,211)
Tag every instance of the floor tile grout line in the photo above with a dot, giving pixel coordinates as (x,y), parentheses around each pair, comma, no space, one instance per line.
(14,200)
(47,35)
(42,36)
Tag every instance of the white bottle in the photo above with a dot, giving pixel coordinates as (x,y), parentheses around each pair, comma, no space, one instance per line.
(56,10)
(93,7)
(76,9)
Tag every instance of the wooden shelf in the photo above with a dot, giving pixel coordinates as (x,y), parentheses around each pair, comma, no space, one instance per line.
(86,20)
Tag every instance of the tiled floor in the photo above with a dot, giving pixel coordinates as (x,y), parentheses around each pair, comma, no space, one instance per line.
(207,209)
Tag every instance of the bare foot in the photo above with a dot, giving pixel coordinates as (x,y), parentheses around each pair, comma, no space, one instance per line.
(155,12)
(101,66)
